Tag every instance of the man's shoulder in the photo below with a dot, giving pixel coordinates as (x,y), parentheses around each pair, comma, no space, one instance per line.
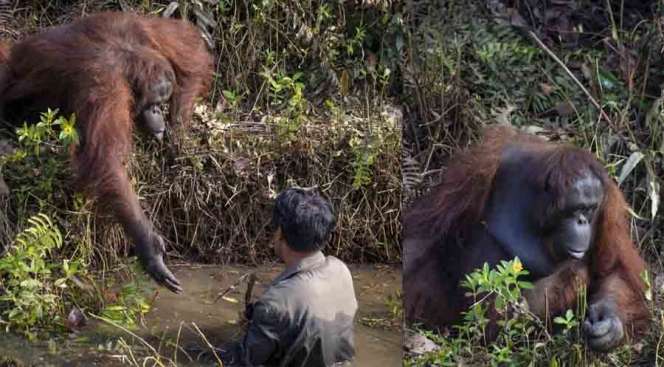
(336,265)
(336,261)
(331,270)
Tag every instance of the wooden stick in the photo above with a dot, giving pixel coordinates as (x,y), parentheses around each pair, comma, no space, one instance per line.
(571,75)
(233,286)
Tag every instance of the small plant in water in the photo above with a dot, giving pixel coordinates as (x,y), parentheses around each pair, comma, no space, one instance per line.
(130,304)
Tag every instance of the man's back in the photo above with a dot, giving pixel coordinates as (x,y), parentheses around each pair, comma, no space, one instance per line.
(307,314)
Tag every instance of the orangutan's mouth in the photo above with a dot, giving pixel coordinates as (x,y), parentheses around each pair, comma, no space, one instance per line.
(576,254)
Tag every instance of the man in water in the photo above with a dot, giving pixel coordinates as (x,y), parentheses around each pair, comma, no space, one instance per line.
(305,317)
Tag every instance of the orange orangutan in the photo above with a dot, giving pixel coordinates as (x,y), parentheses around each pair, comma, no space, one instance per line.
(110,69)
(551,205)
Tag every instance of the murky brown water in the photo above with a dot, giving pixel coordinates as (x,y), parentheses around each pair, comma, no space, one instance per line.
(171,324)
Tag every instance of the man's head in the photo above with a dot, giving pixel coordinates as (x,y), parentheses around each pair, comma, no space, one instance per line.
(303,220)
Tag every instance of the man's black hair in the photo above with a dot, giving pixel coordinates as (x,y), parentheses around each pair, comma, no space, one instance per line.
(305,219)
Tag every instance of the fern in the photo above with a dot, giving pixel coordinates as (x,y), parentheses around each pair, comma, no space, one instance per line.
(41,235)
(31,290)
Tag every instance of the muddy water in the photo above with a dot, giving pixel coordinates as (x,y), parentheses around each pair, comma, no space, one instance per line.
(173,321)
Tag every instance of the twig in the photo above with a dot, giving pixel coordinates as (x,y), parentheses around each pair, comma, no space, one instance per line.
(571,75)
(233,286)
(250,288)
(113,323)
(214,351)
(178,347)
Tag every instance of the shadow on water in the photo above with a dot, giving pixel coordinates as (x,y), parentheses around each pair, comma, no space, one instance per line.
(170,327)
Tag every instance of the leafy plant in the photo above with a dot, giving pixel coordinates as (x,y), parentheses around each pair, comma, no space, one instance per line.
(394,303)
(33,285)
(287,94)
(35,135)
(35,278)
(567,321)
(286,91)
(232,98)
(364,158)
(129,307)
(499,291)
(367,146)
(355,42)
(38,167)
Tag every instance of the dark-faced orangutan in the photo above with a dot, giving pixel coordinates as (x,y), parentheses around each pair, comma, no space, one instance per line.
(551,205)
(110,69)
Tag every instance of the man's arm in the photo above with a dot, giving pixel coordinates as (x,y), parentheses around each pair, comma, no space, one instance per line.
(262,340)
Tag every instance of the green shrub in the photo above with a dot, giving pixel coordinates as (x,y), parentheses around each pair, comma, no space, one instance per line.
(33,285)
(131,305)
(521,338)
(41,279)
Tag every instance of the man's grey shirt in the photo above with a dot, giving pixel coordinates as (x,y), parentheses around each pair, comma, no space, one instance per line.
(305,317)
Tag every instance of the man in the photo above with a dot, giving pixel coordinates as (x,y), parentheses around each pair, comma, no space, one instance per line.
(305,317)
